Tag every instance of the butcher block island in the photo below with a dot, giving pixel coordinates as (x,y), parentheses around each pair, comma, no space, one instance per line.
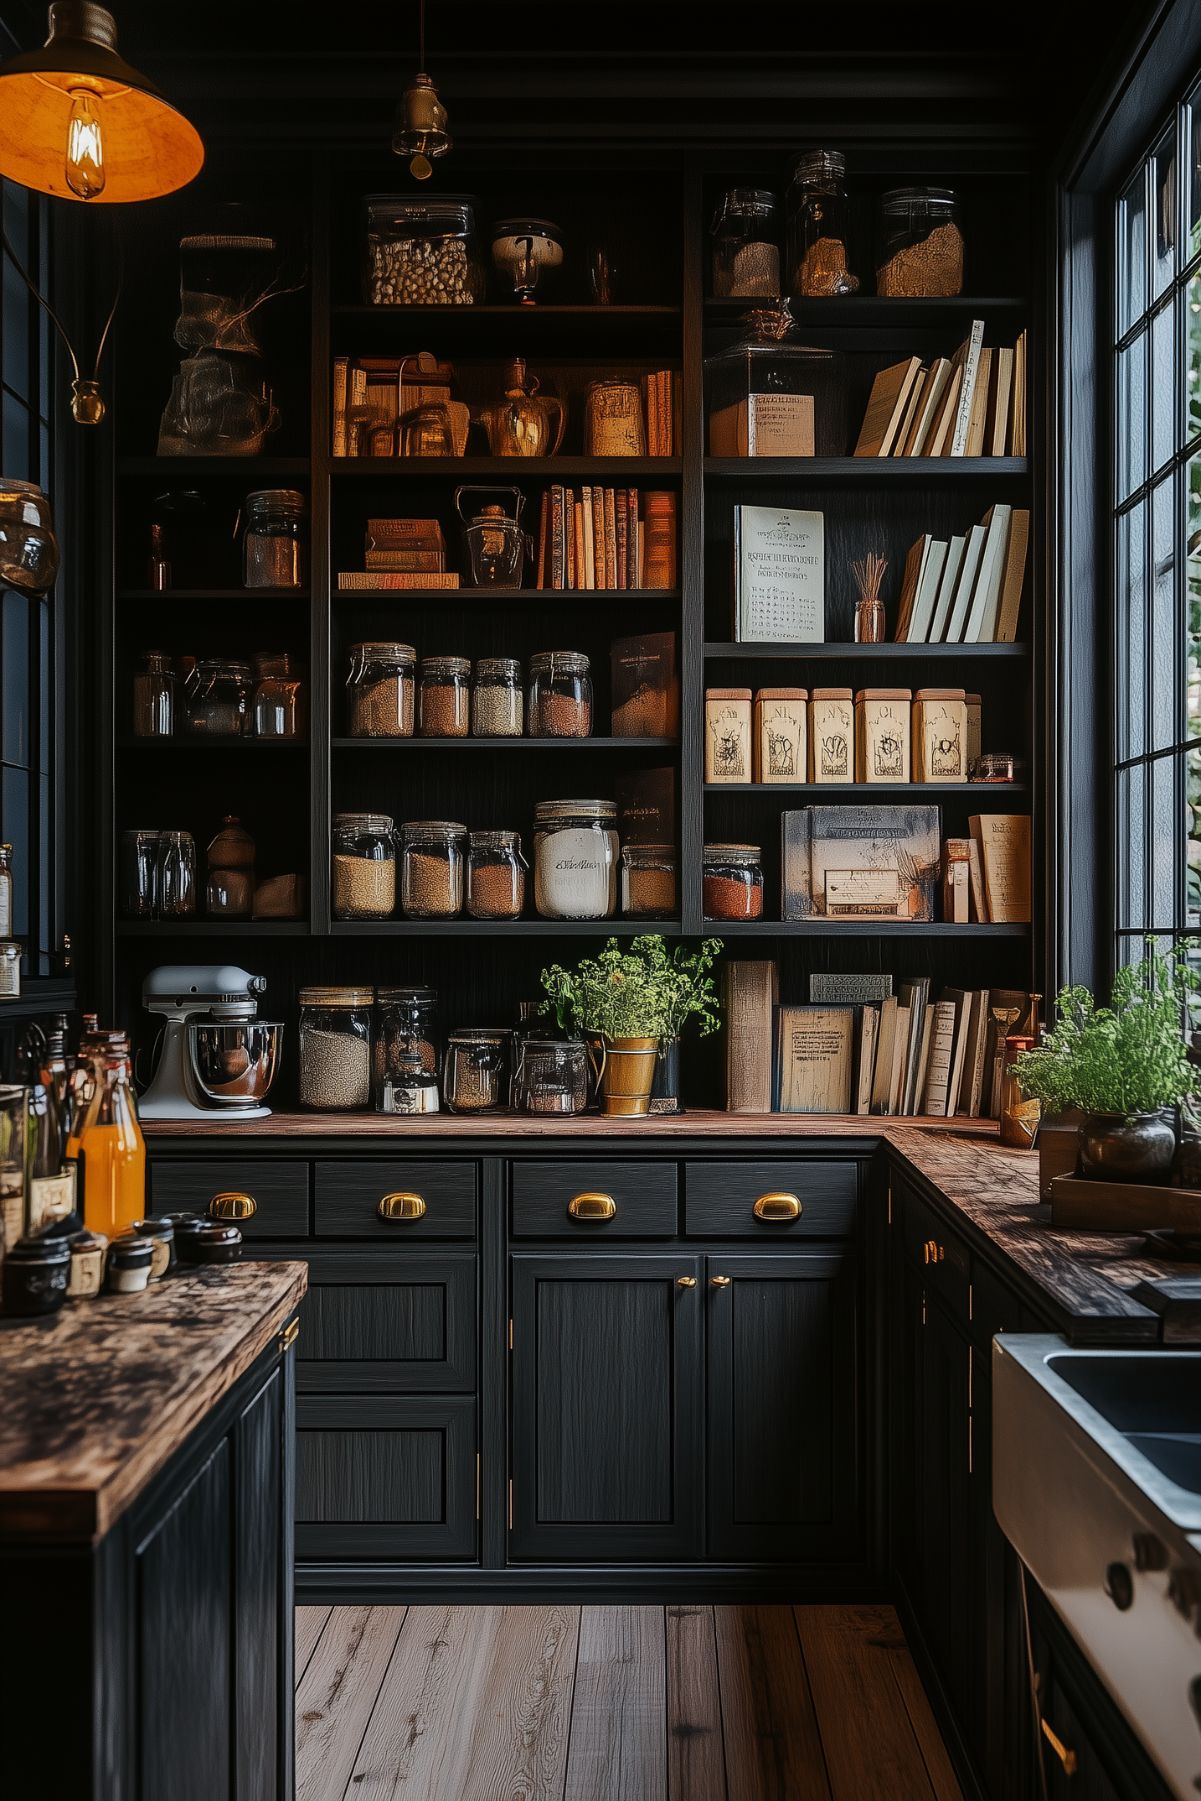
(146,1498)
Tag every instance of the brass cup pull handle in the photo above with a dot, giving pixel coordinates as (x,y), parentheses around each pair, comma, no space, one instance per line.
(932,1251)
(591,1206)
(685,1281)
(719,1281)
(401,1207)
(231,1204)
(1064,1753)
(778,1207)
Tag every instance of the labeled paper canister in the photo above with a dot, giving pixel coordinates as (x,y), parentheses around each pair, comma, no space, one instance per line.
(728,735)
(781,735)
(940,735)
(831,736)
(882,734)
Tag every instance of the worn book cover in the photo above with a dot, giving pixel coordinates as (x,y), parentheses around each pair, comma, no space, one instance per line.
(646,806)
(779,576)
(877,843)
(796,887)
(644,686)
(816,1048)
(1003,840)
(851,990)
(750,992)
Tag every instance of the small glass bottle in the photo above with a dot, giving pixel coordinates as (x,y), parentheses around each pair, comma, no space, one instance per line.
(158,564)
(277,709)
(496,872)
(817,226)
(6,890)
(869,608)
(154,697)
(497,702)
(110,1148)
(444,697)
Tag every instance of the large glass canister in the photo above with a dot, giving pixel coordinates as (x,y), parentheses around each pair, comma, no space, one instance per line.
(746,245)
(381,690)
(576,856)
(818,226)
(476,1076)
(434,872)
(218,696)
(423,250)
(920,250)
(550,1076)
(364,866)
(275,539)
(406,1023)
(768,395)
(335,1049)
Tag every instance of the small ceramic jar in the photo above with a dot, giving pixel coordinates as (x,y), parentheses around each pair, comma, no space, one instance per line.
(161,1234)
(128,1268)
(88,1251)
(212,1242)
(184,1226)
(36,1271)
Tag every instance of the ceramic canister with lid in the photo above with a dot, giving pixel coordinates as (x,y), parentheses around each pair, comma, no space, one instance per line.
(781,734)
(127,1270)
(882,734)
(213,1242)
(36,1272)
(831,736)
(728,735)
(576,859)
(940,735)
(161,1234)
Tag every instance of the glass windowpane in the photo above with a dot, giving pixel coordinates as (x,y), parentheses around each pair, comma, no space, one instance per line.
(1192,620)
(14,830)
(1132,252)
(16,440)
(1192,822)
(1132,416)
(1130,791)
(1165,722)
(1164,192)
(1165,900)
(1132,634)
(1165,418)
(14,677)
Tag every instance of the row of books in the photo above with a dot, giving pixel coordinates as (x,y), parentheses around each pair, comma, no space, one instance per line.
(859,862)
(967,589)
(400,554)
(859,1048)
(606,538)
(970,404)
(658,402)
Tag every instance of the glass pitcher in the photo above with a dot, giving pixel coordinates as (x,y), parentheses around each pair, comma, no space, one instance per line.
(496,544)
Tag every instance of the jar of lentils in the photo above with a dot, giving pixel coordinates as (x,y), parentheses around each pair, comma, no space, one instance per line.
(444,697)
(497,703)
(381,690)
(576,855)
(732,881)
(476,1078)
(434,868)
(496,873)
(335,1049)
(364,866)
(560,695)
(649,889)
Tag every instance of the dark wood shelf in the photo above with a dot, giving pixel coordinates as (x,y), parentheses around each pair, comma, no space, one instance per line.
(526,597)
(190,594)
(213,465)
(473,743)
(39,994)
(859,653)
(859,928)
(513,311)
(197,741)
(867,792)
(213,928)
(614,470)
(502,928)
(868,470)
(875,310)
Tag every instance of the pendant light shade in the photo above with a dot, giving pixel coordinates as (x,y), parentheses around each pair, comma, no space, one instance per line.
(78,122)
(421,132)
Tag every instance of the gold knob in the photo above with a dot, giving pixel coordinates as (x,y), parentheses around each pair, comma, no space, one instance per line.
(932,1251)
(719,1281)
(591,1206)
(402,1207)
(778,1206)
(233,1205)
(1064,1753)
(289,1335)
(685,1281)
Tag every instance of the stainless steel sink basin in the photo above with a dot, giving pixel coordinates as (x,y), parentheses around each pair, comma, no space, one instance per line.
(1152,1398)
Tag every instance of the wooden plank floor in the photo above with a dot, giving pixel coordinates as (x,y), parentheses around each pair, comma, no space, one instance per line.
(612,1704)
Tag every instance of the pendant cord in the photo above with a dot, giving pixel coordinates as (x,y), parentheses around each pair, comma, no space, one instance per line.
(421,35)
(61,329)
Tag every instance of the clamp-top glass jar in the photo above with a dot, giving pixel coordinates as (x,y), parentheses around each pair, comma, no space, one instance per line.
(444,697)
(920,253)
(818,225)
(732,881)
(218,697)
(382,690)
(497,703)
(335,1048)
(560,695)
(476,1078)
(433,875)
(364,866)
(496,873)
(746,245)
(275,539)
(423,251)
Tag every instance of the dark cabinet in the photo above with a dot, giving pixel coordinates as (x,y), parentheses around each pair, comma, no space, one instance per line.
(783,1378)
(606,1407)
(386,1321)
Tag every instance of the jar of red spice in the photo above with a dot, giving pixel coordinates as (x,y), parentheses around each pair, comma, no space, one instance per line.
(648,881)
(732,881)
(560,695)
(444,697)
(496,873)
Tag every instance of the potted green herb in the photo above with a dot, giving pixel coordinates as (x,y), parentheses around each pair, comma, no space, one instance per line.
(631,1002)
(1122,1067)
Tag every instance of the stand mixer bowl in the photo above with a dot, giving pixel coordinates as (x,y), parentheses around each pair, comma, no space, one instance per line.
(233,1065)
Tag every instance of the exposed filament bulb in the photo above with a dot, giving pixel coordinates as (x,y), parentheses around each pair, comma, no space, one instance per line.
(85,146)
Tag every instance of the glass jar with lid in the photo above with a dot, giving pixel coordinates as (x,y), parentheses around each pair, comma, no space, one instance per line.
(432,877)
(275,539)
(382,689)
(423,250)
(576,855)
(476,1077)
(560,704)
(335,1049)
(770,361)
(550,1076)
(406,1023)
(649,886)
(154,697)
(497,702)
(920,249)
(278,707)
(364,866)
(818,218)
(496,873)
(746,245)
(218,697)
(732,881)
(444,697)
(137,855)
(231,857)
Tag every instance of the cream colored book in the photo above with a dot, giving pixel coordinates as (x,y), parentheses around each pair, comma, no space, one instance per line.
(1004,841)
(816,1056)
(936,1085)
(979,413)
(929,407)
(997,434)
(940,431)
(886,1036)
(1014,577)
(886,405)
(968,357)
(981,623)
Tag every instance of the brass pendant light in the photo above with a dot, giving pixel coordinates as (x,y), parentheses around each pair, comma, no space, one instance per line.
(421,132)
(78,122)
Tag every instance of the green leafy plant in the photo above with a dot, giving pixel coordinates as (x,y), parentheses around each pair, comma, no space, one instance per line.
(644,991)
(1124,1059)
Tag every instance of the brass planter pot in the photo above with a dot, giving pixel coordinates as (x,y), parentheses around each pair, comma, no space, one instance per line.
(1138,1149)
(627,1076)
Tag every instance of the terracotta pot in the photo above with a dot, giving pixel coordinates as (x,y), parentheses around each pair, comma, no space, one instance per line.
(1138,1149)
(627,1075)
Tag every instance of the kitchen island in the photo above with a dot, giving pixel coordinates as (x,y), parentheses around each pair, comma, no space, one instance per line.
(146,1495)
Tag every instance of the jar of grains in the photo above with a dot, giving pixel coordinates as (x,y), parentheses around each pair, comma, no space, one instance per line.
(382,688)
(746,244)
(444,697)
(648,881)
(406,1023)
(732,881)
(364,866)
(495,875)
(576,855)
(335,1048)
(920,253)
(817,225)
(497,703)
(275,539)
(560,695)
(432,876)
(476,1078)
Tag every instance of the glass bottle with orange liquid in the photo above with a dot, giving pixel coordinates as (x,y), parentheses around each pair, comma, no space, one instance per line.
(107,1141)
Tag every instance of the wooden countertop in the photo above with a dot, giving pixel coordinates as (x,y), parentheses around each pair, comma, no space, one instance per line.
(699,1122)
(96,1398)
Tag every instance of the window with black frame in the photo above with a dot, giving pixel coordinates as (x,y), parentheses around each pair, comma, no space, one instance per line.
(27,622)
(1157,542)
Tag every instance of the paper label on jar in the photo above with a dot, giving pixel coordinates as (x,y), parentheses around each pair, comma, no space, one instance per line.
(575,875)
(50,1198)
(12,1206)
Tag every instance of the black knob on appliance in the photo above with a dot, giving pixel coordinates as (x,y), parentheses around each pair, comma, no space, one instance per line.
(1119,1586)
(1150,1553)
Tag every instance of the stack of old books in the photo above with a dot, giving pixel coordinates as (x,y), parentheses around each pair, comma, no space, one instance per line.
(595,537)
(401,554)
(970,404)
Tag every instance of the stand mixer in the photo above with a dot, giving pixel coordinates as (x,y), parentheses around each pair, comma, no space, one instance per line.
(217,1056)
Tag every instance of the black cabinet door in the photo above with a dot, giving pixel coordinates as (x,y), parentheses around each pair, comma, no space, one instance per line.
(263,1593)
(943,1576)
(606,1407)
(783,1427)
(381,1321)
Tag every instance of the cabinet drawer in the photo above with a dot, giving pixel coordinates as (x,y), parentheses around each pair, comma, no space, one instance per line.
(348,1197)
(720,1199)
(939,1253)
(377,1321)
(279,1190)
(643,1197)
